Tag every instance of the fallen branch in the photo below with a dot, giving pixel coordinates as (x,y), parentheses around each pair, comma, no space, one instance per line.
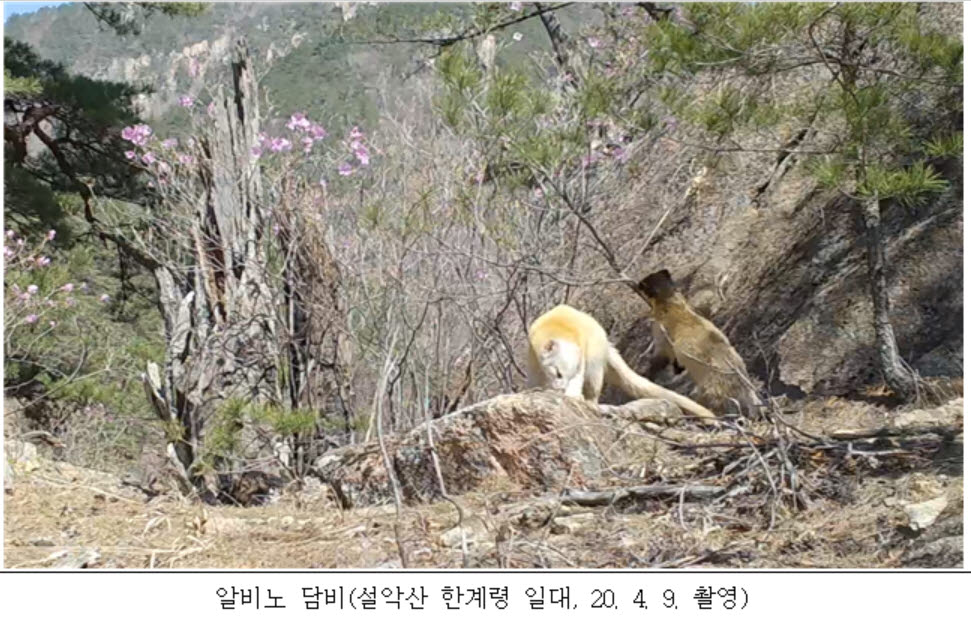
(852,434)
(608,497)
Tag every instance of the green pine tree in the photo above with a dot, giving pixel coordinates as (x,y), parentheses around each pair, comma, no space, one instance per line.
(885,77)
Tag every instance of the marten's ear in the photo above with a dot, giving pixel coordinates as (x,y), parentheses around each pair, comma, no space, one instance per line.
(658,285)
(550,346)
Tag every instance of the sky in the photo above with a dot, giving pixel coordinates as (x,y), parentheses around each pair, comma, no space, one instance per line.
(14,8)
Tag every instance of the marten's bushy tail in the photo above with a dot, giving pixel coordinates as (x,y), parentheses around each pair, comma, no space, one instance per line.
(620,375)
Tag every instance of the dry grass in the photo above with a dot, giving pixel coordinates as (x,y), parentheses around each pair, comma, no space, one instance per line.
(860,524)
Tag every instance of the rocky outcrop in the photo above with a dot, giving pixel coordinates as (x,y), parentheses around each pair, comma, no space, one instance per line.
(539,441)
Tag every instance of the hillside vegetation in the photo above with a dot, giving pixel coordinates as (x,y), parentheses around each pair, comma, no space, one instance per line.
(269,270)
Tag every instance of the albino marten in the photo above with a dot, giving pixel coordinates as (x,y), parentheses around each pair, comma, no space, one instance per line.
(569,352)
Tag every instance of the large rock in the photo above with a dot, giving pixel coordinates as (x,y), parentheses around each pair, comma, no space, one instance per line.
(537,441)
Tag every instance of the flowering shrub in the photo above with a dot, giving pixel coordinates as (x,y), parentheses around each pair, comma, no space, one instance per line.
(46,309)
(33,291)
(300,145)
(67,350)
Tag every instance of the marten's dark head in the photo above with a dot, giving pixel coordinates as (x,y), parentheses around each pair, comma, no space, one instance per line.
(658,286)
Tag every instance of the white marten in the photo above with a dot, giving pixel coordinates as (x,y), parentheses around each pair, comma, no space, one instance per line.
(569,352)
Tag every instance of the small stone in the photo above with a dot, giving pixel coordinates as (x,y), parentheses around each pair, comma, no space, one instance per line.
(475,533)
(40,541)
(76,559)
(923,515)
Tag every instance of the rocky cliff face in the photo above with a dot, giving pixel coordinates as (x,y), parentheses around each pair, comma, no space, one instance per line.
(174,56)
(781,267)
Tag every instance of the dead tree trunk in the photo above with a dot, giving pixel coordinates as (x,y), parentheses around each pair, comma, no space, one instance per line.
(239,330)
(219,311)
(317,350)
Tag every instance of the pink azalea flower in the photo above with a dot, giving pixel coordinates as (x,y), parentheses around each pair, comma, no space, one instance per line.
(323,183)
(256,151)
(52,323)
(148,158)
(186,159)
(594,42)
(516,6)
(193,67)
(67,287)
(51,234)
(31,319)
(211,108)
(298,121)
(279,145)
(32,289)
(105,298)
(363,156)
(130,155)
(43,261)
(7,252)
(170,143)
(11,234)
(317,132)
(308,143)
(137,134)
(345,169)
(355,133)
(186,101)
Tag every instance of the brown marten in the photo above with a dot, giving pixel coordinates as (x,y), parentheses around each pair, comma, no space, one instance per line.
(691,342)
